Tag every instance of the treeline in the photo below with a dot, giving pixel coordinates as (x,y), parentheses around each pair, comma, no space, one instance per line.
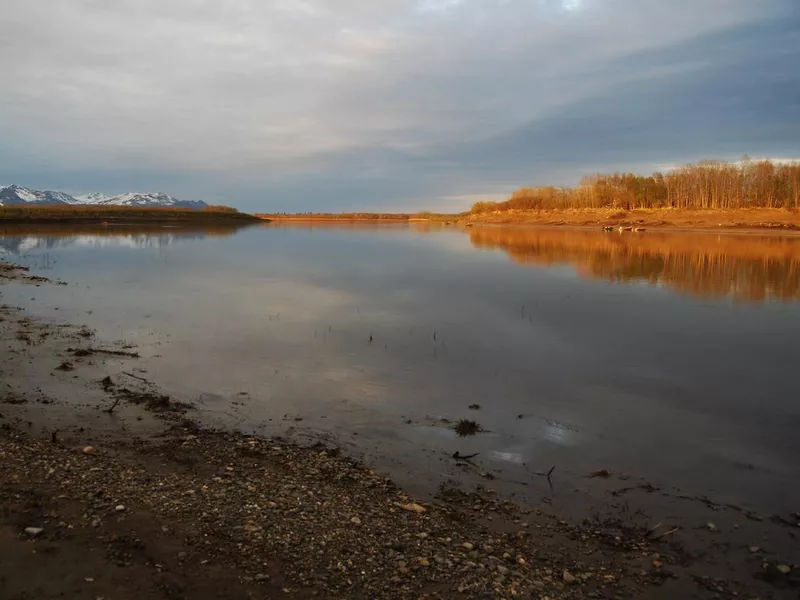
(73,213)
(708,184)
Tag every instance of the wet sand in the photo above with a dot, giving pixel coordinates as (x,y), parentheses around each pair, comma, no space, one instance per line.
(117,490)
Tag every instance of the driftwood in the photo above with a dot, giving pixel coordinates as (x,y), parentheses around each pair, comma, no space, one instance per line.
(604,473)
(114,352)
(459,456)
(80,352)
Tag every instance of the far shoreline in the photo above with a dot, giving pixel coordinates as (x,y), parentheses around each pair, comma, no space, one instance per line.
(114,215)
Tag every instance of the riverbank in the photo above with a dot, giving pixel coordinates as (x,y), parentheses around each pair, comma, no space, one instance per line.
(120,215)
(784,220)
(115,489)
(360,218)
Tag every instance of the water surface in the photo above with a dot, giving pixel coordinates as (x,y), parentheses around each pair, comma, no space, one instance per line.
(667,357)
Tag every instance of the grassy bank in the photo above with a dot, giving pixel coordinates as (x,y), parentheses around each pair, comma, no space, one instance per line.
(119,214)
(677,218)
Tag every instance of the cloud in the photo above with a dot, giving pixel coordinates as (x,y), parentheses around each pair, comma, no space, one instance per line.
(305,104)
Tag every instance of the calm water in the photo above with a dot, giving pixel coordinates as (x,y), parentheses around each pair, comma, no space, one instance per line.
(671,358)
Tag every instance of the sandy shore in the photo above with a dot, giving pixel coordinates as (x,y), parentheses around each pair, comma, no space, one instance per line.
(115,490)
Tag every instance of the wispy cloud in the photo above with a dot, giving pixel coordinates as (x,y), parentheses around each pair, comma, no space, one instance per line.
(303,104)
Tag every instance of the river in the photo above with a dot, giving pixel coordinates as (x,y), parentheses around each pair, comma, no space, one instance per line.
(666,358)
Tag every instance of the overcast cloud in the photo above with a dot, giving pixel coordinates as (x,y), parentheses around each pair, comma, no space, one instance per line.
(384,104)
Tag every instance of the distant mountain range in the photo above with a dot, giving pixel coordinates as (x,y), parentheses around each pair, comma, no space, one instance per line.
(16,195)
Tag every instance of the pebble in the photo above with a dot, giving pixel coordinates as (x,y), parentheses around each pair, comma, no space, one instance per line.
(711,526)
(424,562)
(467,546)
(34,531)
(785,569)
(658,564)
(120,508)
(88,450)
(355,521)
(502,570)
(754,549)
(414,507)
(569,577)
(261,577)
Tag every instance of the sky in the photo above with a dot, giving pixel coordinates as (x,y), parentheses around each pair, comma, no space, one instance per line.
(316,105)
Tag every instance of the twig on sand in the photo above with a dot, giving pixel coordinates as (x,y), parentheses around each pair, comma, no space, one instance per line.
(115,352)
(652,530)
(113,406)
(81,352)
(666,533)
(136,377)
(549,475)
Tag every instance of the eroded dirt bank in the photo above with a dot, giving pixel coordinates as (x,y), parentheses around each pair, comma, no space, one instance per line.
(109,488)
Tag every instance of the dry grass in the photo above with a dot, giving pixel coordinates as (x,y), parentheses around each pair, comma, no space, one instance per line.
(467,427)
(650,217)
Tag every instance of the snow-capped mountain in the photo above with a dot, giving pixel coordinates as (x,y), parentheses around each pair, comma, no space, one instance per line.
(137,199)
(12,195)
(93,198)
